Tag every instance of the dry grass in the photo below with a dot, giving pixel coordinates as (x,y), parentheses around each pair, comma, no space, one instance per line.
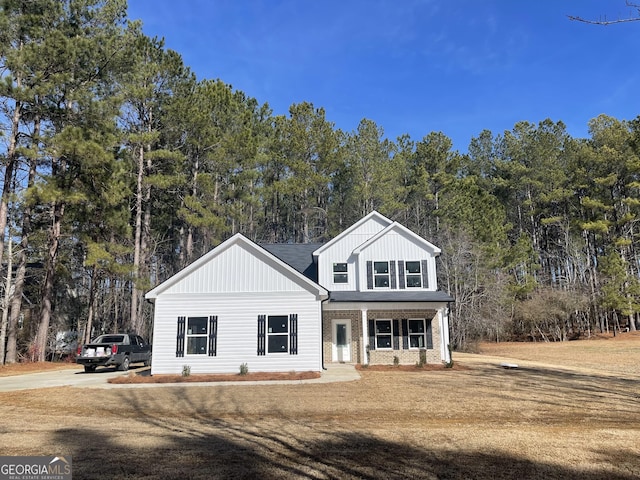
(33,367)
(483,422)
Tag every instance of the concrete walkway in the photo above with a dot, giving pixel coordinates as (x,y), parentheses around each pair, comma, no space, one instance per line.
(98,379)
(338,372)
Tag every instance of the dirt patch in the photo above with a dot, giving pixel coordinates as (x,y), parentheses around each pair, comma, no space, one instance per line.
(33,367)
(143,377)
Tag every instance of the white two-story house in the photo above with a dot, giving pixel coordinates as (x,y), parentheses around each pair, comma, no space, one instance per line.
(367,296)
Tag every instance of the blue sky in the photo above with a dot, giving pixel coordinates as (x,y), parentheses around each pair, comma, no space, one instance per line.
(413,66)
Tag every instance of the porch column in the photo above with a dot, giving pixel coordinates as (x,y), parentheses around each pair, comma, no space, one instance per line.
(443,321)
(365,336)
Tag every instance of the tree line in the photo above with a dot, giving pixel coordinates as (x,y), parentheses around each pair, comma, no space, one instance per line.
(120,167)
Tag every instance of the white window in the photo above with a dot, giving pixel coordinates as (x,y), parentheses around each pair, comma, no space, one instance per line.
(277,333)
(197,335)
(381,274)
(340,273)
(413,274)
(383,334)
(417,333)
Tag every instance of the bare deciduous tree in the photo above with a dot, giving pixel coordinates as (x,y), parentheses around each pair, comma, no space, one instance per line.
(633,17)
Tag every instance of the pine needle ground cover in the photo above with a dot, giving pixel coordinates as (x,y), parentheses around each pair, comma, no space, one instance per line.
(546,419)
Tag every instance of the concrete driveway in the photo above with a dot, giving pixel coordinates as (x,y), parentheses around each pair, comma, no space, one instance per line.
(60,378)
(98,379)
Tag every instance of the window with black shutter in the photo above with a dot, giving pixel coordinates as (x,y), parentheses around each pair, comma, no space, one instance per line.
(180,337)
(262,329)
(213,335)
(425,274)
(293,334)
(405,334)
(396,335)
(429,336)
(372,335)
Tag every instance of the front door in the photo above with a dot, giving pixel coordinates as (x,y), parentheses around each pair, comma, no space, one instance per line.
(342,341)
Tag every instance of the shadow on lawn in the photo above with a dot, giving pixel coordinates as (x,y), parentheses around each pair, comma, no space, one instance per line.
(197,445)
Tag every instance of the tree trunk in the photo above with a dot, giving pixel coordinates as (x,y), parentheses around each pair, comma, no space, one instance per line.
(86,338)
(5,304)
(21,270)
(9,169)
(135,293)
(40,342)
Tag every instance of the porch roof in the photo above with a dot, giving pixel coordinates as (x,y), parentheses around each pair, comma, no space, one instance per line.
(390,296)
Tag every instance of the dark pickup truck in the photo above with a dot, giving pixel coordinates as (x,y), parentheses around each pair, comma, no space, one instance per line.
(118,349)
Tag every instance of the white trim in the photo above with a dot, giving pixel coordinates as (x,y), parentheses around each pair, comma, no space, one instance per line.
(390,334)
(404,231)
(334,340)
(443,322)
(346,232)
(365,336)
(424,334)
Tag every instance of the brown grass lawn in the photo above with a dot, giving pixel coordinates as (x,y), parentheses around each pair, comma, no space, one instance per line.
(554,417)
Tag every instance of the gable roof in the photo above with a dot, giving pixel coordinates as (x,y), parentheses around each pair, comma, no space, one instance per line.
(296,255)
(402,230)
(259,252)
(372,216)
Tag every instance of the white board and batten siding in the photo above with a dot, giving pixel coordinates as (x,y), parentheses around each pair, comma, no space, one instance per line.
(395,246)
(340,250)
(237,282)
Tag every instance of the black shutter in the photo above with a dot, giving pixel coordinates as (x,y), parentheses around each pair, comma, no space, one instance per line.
(180,337)
(370,275)
(262,333)
(405,334)
(429,336)
(213,335)
(396,335)
(425,274)
(392,273)
(293,334)
(372,335)
(403,284)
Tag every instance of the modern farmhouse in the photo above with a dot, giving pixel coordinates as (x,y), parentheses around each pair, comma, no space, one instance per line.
(367,296)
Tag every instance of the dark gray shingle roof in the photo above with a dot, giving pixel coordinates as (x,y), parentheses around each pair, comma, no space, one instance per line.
(296,255)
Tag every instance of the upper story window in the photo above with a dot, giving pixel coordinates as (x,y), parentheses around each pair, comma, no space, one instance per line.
(381,274)
(340,273)
(413,274)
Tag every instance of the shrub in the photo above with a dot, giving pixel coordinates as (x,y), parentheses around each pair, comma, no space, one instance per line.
(186,370)
(244,369)
(396,360)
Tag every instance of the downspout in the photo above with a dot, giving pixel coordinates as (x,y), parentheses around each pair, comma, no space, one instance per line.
(322,332)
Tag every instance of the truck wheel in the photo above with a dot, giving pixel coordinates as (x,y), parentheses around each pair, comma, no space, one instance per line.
(124,366)
(89,368)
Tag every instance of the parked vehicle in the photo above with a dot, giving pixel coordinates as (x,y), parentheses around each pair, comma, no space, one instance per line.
(118,349)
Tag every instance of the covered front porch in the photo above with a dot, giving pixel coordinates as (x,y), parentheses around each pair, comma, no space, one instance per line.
(384,332)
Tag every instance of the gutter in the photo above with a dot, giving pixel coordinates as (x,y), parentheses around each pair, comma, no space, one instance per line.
(322,332)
